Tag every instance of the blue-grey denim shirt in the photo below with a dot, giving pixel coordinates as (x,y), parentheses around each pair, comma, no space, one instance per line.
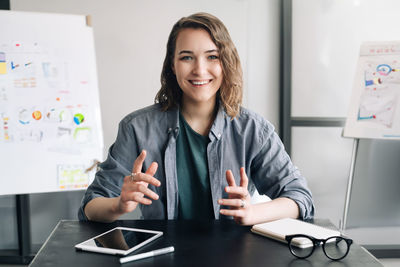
(246,141)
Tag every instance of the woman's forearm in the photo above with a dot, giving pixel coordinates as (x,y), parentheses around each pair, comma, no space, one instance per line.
(273,210)
(103,209)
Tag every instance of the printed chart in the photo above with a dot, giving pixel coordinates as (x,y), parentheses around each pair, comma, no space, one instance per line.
(50,126)
(375,105)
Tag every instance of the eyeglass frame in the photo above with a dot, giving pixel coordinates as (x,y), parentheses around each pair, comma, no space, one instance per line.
(318,242)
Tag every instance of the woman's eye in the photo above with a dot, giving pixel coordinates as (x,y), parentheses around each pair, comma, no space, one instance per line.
(213,57)
(186,58)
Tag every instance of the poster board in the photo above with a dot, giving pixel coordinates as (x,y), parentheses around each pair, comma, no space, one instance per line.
(50,124)
(375,103)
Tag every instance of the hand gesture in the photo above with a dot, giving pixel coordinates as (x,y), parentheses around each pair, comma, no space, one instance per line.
(239,199)
(135,186)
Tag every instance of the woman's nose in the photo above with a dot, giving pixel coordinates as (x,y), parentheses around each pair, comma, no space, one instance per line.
(200,67)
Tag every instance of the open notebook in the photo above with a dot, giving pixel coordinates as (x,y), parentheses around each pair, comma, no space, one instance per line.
(280,228)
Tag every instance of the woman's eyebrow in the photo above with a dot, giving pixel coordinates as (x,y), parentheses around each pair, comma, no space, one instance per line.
(212,51)
(185,52)
(191,52)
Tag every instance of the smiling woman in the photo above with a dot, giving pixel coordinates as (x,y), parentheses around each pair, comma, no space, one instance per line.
(196,153)
(197,67)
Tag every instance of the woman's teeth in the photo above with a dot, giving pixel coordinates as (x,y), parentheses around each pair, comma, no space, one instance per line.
(199,82)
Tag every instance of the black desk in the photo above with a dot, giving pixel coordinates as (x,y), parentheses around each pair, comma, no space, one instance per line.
(213,243)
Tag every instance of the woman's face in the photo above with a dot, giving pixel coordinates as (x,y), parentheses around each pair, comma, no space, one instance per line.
(197,66)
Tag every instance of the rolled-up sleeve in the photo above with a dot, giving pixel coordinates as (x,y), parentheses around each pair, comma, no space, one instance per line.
(274,174)
(109,179)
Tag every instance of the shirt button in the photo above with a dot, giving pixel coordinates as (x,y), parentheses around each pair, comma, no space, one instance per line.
(219,135)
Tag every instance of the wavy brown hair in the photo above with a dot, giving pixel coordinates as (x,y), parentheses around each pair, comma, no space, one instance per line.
(231,90)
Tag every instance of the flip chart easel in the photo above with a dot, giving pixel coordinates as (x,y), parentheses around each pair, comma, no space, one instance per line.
(375,104)
(50,125)
(349,184)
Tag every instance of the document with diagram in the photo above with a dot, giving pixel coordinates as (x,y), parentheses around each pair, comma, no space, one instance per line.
(375,104)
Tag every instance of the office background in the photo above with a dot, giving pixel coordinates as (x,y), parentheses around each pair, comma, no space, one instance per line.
(130,39)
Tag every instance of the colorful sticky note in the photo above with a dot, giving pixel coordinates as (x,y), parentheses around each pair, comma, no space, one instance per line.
(3,68)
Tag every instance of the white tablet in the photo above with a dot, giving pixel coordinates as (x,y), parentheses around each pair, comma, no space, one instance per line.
(119,241)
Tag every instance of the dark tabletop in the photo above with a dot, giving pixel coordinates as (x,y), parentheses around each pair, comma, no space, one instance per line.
(207,243)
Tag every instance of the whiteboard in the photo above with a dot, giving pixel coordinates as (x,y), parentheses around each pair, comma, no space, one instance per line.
(375,103)
(50,123)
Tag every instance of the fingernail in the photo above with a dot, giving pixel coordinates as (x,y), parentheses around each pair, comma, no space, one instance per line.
(219,201)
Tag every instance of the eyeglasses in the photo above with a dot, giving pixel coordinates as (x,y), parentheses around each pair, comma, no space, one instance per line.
(302,246)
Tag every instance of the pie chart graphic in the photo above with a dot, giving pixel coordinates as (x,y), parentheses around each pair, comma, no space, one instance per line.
(79,118)
(23,116)
(37,115)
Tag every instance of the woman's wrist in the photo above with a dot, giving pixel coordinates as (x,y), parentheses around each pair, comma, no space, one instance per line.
(116,207)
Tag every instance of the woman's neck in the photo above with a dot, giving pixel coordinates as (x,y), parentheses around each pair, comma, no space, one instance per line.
(200,116)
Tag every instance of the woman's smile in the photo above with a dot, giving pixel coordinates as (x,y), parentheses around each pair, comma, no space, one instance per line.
(200,82)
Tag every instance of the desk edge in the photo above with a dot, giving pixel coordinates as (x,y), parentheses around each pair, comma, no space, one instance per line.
(48,238)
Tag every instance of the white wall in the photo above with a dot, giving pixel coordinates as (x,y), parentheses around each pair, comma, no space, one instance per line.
(263,58)
(130,40)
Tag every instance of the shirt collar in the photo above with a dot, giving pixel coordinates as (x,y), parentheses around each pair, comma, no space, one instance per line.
(216,128)
(173,120)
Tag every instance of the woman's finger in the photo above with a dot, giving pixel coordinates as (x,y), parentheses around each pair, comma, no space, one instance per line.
(146,178)
(152,169)
(144,190)
(138,197)
(240,192)
(234,213)
(230,179)
(236,203)
(244,180)
(138,164)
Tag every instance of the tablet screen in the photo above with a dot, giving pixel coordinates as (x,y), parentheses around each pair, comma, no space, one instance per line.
(120,240)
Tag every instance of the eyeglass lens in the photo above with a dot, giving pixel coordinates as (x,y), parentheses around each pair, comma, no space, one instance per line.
(336,248)
(306,248)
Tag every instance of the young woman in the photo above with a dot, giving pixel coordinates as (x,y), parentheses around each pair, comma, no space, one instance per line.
(196,153)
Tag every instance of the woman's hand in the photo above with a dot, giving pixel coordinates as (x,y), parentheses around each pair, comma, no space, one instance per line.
(239,200)
(135,186)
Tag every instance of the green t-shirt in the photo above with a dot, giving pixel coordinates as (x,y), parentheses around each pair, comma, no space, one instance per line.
(194,191)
